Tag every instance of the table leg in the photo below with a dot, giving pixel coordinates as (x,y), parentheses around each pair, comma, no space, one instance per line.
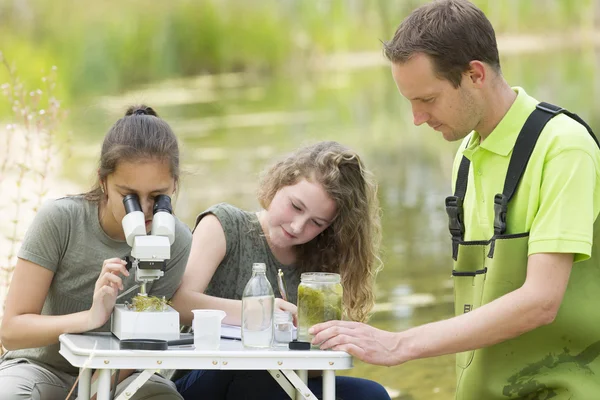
(83,387)
(329,384)
(104,384)
(137,383)
(284,383)
(303,392)
(303,375)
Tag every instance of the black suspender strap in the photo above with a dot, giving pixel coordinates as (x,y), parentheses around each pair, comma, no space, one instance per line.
(454,206)
(528,136)
(526,141)
(460,189)
(530,132)
(549,107)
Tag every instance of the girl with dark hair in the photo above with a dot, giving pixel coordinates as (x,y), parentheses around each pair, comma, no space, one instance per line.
(70,266)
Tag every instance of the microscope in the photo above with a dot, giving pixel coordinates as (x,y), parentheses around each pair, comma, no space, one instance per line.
(149,254)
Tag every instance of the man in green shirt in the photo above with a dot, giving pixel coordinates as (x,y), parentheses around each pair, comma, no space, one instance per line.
(523,220)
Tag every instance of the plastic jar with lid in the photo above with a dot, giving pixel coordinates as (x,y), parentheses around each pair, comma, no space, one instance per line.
(319,300)
(283,327)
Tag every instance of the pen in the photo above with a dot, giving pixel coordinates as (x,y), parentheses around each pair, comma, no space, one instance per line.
(230,338)
(281,285)
(188,341)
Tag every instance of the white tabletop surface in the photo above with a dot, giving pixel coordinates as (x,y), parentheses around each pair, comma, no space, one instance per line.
(101,351)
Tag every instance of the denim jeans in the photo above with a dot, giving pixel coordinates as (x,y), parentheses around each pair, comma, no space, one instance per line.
(248,385)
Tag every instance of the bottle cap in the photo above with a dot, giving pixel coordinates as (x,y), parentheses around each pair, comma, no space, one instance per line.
(259,267)
(296,345)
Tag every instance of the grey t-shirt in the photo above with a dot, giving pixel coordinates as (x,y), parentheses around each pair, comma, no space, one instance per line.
(245,244)
(67,239)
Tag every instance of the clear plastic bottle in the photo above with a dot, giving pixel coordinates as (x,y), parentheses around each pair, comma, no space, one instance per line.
(257,309)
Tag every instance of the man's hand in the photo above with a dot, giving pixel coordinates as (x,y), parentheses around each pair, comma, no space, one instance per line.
(366,343)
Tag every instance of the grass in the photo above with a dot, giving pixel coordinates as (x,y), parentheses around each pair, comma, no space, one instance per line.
(29,144)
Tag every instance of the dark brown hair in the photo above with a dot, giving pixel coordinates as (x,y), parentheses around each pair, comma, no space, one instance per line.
(451,32)
(350,245)
(139,135)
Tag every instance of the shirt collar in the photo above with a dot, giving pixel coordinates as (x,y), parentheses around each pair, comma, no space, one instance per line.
(502,139)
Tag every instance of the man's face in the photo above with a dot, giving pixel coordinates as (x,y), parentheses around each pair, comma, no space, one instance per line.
(449,110)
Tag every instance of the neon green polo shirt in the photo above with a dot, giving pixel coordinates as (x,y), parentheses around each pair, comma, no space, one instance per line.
(558,198)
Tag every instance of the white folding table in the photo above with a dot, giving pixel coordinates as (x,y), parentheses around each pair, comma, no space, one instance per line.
(289,368)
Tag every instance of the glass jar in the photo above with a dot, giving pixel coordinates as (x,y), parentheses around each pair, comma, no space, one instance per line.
(319,300)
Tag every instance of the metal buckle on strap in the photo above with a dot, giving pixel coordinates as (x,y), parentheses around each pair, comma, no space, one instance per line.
(500,210)
(548,108)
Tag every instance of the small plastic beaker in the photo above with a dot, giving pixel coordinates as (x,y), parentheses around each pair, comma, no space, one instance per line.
(283,327)
(207,329)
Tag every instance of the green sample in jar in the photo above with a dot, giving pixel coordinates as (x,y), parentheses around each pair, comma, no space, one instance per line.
(319,300)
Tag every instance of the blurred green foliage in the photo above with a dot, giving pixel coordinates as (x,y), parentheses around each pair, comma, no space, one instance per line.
(109,46)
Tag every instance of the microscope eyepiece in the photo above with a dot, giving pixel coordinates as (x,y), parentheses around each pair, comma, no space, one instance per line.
(162,202)
(131,203)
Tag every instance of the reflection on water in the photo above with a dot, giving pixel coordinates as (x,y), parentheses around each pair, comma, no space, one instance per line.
(231,132)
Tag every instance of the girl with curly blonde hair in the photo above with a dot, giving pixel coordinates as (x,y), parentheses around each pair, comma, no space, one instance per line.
(349,245)
(320,214)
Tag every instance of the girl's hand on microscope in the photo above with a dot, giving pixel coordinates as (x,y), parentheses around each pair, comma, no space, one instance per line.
(105,292)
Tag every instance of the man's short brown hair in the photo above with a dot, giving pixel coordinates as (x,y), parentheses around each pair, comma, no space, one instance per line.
(452,32)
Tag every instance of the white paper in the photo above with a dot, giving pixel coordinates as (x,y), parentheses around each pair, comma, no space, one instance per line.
(235,331)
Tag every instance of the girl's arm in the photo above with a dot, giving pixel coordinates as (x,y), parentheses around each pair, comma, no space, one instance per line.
(207,252)
(24,327)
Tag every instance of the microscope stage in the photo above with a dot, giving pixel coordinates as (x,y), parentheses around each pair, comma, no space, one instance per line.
(129,324)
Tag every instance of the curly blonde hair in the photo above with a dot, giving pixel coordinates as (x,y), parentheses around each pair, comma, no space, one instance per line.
(350,245)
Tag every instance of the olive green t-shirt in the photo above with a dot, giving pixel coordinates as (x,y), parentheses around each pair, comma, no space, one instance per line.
(67,239)
(245,244)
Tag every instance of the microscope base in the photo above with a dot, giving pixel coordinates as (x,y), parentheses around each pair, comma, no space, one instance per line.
(128,324)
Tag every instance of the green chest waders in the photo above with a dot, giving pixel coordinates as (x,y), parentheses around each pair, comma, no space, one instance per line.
(556,361)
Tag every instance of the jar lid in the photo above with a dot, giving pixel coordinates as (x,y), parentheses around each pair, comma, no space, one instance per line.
(321,277)
(296,345)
